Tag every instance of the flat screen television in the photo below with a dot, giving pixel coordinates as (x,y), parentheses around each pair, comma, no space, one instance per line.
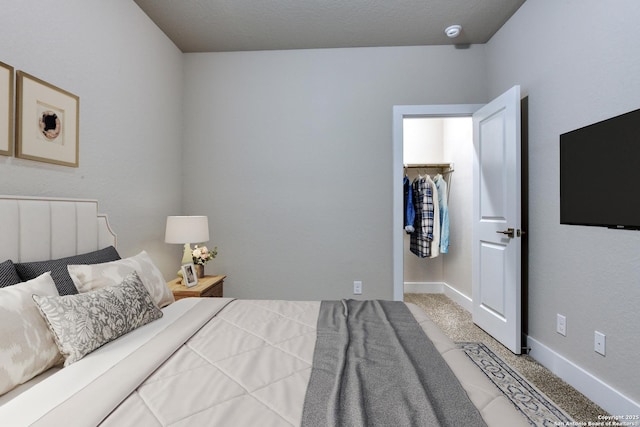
(600,174)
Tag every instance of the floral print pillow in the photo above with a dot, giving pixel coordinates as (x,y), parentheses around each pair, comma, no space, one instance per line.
(82,323)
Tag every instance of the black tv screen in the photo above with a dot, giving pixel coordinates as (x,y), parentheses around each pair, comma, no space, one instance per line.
(600,174)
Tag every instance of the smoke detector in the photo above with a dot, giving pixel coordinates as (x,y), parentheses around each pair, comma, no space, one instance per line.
(453,31)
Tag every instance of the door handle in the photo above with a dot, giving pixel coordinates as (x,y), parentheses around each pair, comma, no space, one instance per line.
(508,232)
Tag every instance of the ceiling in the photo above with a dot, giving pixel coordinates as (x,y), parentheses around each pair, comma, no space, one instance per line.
(246,25)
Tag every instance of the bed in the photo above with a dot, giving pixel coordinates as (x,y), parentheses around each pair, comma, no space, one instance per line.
(206,361)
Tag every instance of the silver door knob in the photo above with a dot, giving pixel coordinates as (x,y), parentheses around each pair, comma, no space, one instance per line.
(508,232)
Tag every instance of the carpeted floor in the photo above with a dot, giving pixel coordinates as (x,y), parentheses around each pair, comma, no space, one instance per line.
(456,322)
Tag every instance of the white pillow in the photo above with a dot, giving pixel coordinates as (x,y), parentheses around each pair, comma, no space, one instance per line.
(27,347)
(95,276)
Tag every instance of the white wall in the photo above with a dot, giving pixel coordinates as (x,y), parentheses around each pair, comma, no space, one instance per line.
(422,140)
(128,76)
(458,148)
(289,153)
(579,62)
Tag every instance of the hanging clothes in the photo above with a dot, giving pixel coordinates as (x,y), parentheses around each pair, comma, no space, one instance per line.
(441,186)
(409,209)
(420,242)
(435,242)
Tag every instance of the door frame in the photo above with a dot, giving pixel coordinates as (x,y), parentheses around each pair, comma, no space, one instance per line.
(400,112)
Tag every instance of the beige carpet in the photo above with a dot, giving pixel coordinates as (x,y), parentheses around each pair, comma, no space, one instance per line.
(456,322)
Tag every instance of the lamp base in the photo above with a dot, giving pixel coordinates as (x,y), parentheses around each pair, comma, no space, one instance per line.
(187,258)
(186,255)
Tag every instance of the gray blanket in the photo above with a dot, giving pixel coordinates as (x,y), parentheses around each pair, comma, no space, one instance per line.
(373,365)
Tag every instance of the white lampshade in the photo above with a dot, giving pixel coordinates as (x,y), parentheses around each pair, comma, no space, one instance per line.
(187,229)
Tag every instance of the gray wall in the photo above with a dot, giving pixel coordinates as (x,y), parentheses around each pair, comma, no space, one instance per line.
(128,76)
(289,153)
(579,62)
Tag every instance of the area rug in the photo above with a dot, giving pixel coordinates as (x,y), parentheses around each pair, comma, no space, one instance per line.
(531,402)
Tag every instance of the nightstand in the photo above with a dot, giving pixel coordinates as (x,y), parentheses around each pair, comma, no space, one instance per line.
(208,286)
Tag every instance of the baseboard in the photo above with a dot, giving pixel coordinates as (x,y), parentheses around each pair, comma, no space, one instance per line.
(458,297)
(595,389)
(423,287)
(439,288)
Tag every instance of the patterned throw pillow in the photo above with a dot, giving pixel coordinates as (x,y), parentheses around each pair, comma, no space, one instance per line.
(26,344)
(89,277)
(82,323)
(8,274)
(58,267)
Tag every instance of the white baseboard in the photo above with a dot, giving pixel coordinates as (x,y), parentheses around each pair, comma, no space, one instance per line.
(439,288)
(458,297)
(423,287)
(610,399)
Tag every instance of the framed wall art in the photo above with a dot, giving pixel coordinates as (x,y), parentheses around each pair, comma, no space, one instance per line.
(6,109)
(47,124)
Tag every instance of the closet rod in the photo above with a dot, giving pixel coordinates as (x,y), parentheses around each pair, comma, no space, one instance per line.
(448,166)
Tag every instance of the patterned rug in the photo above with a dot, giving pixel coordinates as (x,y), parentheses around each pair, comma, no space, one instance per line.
(531,402)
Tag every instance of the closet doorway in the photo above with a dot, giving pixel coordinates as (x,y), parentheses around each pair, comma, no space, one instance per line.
(496,223)
(441,148)
(411,112)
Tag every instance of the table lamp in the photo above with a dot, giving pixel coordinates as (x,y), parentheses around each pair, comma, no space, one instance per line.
(187,230)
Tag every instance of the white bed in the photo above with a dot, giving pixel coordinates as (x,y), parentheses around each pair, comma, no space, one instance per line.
(210,361)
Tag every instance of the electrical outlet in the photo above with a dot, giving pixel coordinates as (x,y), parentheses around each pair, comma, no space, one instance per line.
(599,343)
(561,325)
(357,287)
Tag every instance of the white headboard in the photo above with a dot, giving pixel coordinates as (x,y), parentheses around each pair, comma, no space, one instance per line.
(37,228)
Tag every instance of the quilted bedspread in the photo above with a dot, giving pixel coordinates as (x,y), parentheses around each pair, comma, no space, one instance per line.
(248,366)
(210,362)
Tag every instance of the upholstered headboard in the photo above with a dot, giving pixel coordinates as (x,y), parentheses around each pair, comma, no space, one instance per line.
(36,228)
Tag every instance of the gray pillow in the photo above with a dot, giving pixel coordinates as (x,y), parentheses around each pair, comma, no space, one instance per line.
(58,268)
(82,323)
(8,274)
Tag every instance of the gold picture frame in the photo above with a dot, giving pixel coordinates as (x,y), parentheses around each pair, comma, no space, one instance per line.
(47,122)
(6,109)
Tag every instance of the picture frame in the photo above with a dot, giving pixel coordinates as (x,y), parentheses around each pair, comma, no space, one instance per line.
(6,109)
(47,122)
(189,276)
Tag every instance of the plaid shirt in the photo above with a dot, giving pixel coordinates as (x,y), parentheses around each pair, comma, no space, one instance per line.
(420,242)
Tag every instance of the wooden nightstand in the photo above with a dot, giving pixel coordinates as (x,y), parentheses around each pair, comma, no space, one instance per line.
(208,286)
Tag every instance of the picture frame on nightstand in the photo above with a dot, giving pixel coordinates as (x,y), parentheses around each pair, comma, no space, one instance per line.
(189,276)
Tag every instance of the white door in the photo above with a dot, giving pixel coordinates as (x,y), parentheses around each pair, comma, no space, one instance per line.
(497,219)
